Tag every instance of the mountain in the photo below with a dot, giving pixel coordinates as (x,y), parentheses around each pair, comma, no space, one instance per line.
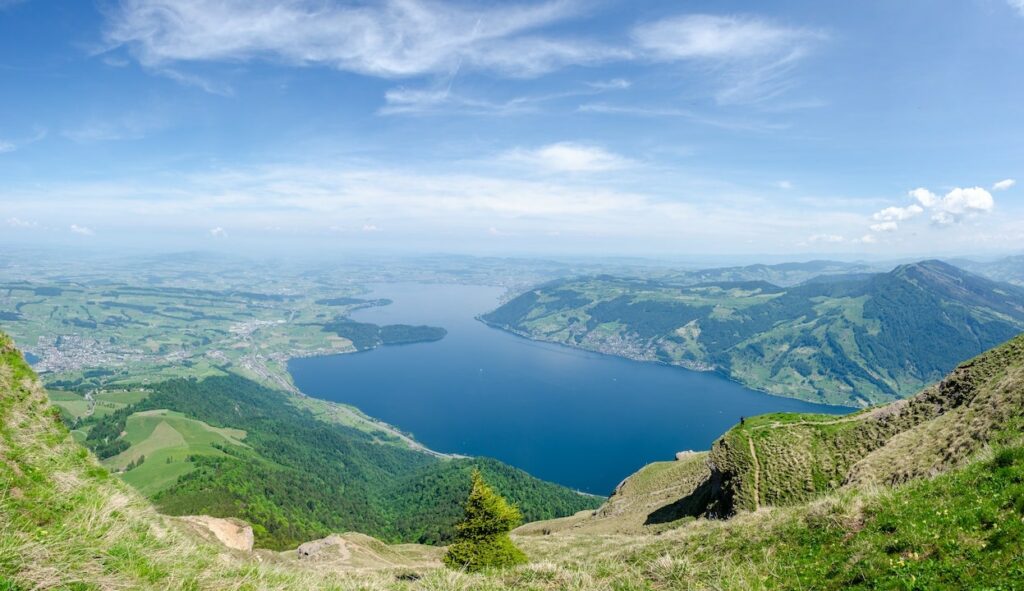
(782,274)
(846,339)
(807,498)
(1007,269)
(229,447)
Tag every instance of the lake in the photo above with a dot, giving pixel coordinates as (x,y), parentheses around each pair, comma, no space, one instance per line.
(581,419)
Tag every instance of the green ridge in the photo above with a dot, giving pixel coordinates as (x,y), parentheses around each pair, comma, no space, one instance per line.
(849,339)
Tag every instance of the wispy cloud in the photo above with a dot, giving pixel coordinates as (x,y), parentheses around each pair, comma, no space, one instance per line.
(395,38)
(1018,5)
(750,57)
(1006,183)
(20,223)
(568,157)
(613,84)
(218,232)
(412,206)
(826,239)
(38,135)
(659,112)
(83,230)
(440,98)
(129,126)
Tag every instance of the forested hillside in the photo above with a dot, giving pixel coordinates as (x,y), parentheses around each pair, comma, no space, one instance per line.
(843,339)
(296,477)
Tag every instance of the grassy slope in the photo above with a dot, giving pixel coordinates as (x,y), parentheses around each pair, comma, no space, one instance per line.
(865,339)
(165,440)
(794,458)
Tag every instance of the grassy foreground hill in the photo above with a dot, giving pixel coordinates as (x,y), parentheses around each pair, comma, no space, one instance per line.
(954,520)
(840,339)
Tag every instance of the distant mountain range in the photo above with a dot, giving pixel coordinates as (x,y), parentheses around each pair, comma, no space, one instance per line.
(1008,269)
(783,274)
(843,335)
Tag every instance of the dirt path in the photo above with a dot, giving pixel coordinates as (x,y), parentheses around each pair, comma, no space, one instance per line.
(757,474)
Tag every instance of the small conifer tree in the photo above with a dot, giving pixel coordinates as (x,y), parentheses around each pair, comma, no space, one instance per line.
(481,538)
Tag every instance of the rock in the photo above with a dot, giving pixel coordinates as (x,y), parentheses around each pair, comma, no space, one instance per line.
(232,533)
(332,547)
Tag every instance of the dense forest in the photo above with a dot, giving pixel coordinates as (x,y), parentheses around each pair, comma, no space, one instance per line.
(301,478)
(365,335)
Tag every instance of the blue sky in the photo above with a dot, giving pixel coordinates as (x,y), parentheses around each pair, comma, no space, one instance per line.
(871,128)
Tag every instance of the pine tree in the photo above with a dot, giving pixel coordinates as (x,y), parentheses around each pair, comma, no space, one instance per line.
(481,538)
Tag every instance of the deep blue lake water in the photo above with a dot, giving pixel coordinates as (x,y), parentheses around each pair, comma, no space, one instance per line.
(581,419)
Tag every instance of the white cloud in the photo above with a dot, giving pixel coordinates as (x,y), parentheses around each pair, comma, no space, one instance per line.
(753,56)
(370,228)
(898,214)
(960,203)
(924,196)
(786,185)
(218,232)
(1017,4)
(613,84)
(6,147)
(569,157)
(1007,183)
(826,238)
(84,231)
(394,38)
(954,207)
(20,223)
(867,239)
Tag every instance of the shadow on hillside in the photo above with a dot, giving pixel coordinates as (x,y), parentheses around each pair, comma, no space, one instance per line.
(694,504)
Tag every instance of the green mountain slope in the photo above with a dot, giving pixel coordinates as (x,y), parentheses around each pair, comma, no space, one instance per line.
(845,339)
(294,476)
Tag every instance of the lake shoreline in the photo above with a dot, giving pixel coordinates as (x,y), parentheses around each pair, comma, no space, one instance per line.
(710,370)
(580,418)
